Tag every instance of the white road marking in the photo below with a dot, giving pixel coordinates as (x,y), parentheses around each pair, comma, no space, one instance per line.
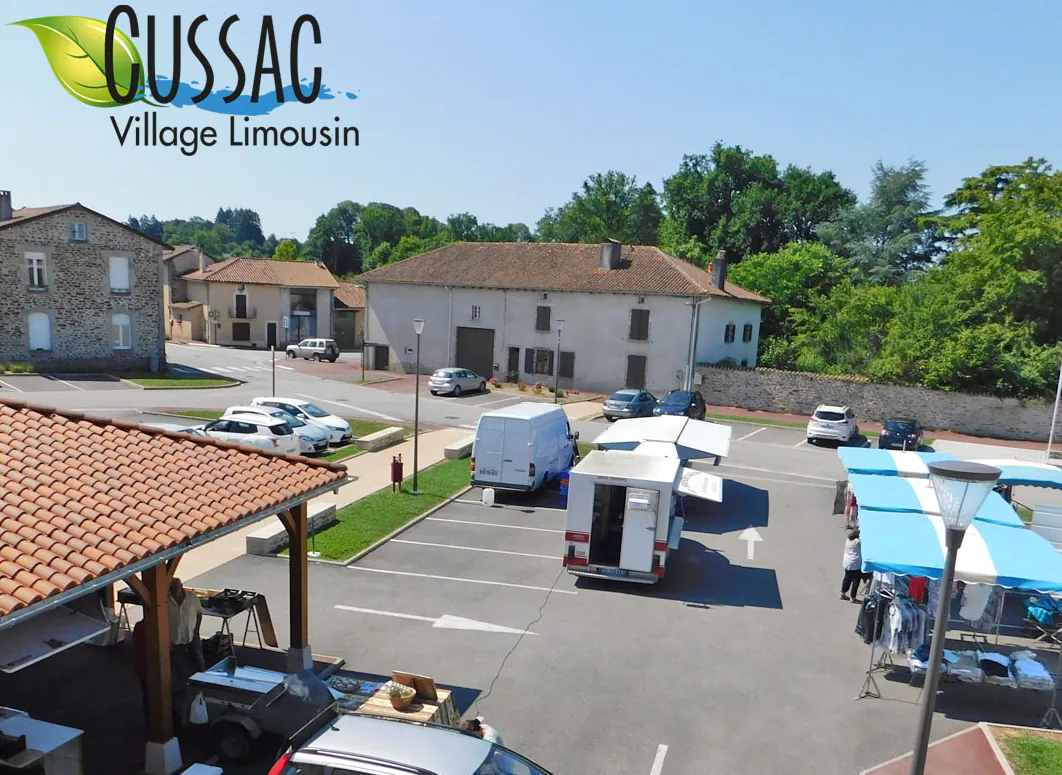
(470,427)
(446,621)
(471,502)
(658,762)
(492,524)
(222,369)
(286,368)
(752,537)
(750,435)
(9,386)
(467,581)
(773,471)
(356,409)
(499,401)
(75,387)
(782,481)
(474,549)
(802,443)
(184,369)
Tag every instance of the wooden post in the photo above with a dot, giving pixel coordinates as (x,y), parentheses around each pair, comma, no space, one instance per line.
(156,594)
(297,524)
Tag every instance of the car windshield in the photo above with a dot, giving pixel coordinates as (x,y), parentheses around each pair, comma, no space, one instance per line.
(501,761)
(624,396)
(676,399)
(831,416)
(313,411)
(900,426)
(443,373)
(290,419)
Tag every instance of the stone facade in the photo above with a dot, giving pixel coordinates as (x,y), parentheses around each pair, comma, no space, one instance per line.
(78,298)
(772,390)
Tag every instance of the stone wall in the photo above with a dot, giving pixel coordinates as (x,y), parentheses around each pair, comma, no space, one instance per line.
(772,390)
(78,298)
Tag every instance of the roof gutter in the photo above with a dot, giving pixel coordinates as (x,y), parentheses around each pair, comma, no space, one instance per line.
(164,556)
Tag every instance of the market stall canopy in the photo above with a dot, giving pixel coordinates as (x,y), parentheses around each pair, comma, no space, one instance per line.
(692,438)
(902,494)
(1021,473)
(910,544)
(884,462)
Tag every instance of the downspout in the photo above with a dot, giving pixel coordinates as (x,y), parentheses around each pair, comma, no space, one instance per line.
(505,342)
(696,336)
(449,324)
(688,382)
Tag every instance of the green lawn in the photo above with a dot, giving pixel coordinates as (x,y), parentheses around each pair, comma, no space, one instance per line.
(1024,512)
(364,522)
(755,420)
(585,447)
(1033,755)
(176,380)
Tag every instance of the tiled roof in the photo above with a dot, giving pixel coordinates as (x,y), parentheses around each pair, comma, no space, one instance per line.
(555,266)
(81,497)
(32,212)
(23,214)
(267,271)
(351,295)
(179,250)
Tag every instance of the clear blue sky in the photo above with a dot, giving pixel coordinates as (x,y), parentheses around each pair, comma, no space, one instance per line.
(503,108)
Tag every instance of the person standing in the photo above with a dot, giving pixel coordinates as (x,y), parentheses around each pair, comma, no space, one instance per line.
(852,563)
(186,617)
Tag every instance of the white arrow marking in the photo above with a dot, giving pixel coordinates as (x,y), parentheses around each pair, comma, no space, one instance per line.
(753,537)
(445,622)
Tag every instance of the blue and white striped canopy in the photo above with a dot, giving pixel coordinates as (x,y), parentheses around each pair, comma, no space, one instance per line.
(1022,473)
(912,544)
(884,462)
(916,496)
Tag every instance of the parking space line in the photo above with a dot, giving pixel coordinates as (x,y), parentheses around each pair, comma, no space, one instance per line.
(491,524)
(470,502)
(750,435)
(356,409)
(286,368)
(658,762)
(9,386)
(802,443)
(467,581)
(782,481)
(68,384)
(499,401)
(774,471)
(475,549)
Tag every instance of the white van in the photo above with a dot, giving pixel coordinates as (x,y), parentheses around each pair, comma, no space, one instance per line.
(521,447)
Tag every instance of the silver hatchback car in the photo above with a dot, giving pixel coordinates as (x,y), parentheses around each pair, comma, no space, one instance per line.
(314,350)
(455,382)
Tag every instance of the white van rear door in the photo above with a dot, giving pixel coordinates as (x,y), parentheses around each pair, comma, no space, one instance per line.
(487,449)
(516,451)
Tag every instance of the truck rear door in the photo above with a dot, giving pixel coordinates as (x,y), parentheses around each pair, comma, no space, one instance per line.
(516,452)
(639,530)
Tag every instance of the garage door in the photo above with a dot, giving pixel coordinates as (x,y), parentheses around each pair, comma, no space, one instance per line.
(475,350)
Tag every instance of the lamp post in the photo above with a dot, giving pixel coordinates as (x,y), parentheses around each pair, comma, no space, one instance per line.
(418,326)
(695,321)
(1054,415)
(961,488)
(556,369)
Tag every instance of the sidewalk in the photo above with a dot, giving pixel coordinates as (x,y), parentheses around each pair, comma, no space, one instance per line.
(972,751)
(373,472)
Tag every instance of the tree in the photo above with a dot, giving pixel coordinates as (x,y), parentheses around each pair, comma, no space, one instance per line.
(886,238)
(287,250)
(148,224)
(245,224)
(463,226)
(609,205)
(811,199)
(334,239)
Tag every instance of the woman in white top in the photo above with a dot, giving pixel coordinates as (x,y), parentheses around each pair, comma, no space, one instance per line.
(852,562)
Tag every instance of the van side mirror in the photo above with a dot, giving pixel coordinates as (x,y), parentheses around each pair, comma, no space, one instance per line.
(576,435)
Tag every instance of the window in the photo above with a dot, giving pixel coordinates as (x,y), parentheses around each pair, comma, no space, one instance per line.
(40,331)
(746,333)
(119,266)
(566,366)
(37,279)
(78,232)
(728,336)
(241,332)
(121,331)
(538,361)
(542,318)
(639,329)
(242,427)
(476,312)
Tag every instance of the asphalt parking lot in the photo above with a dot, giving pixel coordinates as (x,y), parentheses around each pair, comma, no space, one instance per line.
(14,384)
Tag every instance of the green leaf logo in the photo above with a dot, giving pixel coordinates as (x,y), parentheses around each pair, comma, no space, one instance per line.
(76,50)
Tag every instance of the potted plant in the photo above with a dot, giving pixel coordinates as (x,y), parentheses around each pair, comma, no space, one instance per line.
(401,696)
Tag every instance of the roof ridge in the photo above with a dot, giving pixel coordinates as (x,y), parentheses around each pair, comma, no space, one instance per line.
(677,263)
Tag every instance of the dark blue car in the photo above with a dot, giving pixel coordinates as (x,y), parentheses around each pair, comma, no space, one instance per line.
(901,433)
(686,403)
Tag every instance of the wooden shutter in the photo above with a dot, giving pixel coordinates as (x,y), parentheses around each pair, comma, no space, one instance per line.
(542,318)
(529,361)
(639,328)
(549,364)
(566,367)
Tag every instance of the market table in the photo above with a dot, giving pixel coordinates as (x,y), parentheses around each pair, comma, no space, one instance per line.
(372,698)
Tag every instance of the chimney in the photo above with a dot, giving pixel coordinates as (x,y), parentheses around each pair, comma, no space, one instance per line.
(719,270)
(610,254)
(202,260)
(5,205)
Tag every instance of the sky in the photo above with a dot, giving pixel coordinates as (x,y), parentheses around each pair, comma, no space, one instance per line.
(503,109)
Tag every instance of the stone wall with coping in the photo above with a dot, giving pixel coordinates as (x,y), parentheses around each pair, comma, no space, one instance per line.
(773,390)
(78,297)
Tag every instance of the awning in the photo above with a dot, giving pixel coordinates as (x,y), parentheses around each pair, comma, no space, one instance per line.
(692,438)
(911,544)
(1025,474)
(884,462)
(903,494)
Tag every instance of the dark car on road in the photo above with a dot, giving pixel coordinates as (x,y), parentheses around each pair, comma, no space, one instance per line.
(901,433)
(629,403)
(686,403)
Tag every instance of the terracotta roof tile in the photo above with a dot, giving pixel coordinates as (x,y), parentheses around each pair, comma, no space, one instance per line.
(81,497)
(266,271)
(351,295)
(555,266)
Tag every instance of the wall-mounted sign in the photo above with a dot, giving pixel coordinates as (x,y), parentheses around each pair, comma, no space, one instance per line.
(287,322)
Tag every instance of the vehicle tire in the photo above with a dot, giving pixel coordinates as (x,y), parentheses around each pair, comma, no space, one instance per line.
(291,355)
(483,387)
(315,357)
(333,360)
(611,419)
(232,741)
(434,392)
(457,391)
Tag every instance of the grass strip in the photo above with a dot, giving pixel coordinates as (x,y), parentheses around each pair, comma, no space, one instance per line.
(755,420)
(179,382)
(1033,755)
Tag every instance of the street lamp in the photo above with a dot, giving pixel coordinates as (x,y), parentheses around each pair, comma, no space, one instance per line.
(961,488)
(556,366)
(418,326)
(1054,415)
(695,325)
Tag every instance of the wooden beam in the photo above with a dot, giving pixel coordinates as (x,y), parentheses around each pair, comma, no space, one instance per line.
(137,586)
(297,525)
(156,585)
(171,566)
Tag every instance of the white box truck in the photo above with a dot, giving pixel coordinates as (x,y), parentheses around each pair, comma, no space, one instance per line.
(522,447)
(623,513)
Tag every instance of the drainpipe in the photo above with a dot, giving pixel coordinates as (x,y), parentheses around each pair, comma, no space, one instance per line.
(505,342)
(689,348)
(696,336)
(449,323)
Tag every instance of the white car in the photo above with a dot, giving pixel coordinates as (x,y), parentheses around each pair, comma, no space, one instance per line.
(339,430)
(832,423)
(269,433)
(312,439)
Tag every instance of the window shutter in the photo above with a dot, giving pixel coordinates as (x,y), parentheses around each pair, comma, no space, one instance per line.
(529,361)
(542,318)
(566,367)
(549,364)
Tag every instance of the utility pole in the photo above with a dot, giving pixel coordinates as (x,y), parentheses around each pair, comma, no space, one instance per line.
(273,358)
(556,370)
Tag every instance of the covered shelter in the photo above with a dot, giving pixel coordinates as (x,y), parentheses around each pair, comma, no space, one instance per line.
(86,502)
(916,496)
(884,462)
(1021,473)
(668,436)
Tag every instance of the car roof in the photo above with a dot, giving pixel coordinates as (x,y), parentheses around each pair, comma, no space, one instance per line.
(443,751)
(252,409)
(525,411)
(910,420)
(831,408)
(259,419)
(282,400)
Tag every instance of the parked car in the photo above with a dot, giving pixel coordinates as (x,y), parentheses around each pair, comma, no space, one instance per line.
(629,403)
(832,423)
(312,438)
(455,382)
(684,403)
(314,350)
(191,430)
(269,433)
(901,433)
(338,429)
(355,743)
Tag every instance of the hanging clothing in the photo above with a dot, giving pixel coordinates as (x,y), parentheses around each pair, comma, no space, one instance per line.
(871,620)
(974,600)
(905,628)
(917,589)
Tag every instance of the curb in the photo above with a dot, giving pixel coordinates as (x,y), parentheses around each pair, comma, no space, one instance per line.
(232,383)
(589,417)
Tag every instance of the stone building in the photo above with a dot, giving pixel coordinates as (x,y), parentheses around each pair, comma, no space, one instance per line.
(81,291)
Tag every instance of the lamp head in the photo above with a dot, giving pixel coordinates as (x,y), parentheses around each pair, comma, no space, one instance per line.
(961,488)
(418,325)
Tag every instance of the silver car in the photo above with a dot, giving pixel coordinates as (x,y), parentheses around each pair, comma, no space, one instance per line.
(455,382)
(315,350)
(382,746)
